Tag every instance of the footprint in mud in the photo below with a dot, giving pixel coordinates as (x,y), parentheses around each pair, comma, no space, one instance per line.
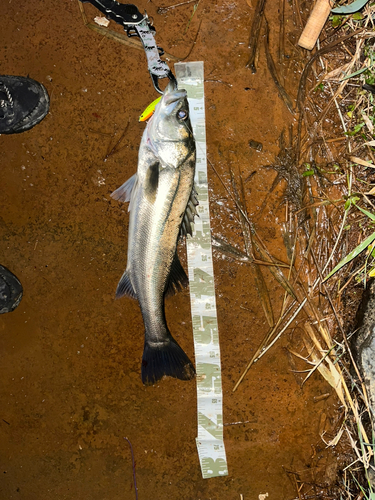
(89,421)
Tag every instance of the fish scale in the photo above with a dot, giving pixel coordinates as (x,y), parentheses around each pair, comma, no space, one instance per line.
(210,442)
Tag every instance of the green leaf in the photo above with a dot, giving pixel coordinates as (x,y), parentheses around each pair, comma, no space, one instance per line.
(356,73)
(350,9)
(307,173)
(336,21)
(356,129)
(352,255)
(369,214)
(352,200)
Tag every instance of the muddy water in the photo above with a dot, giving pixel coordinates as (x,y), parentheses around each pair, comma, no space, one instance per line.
(70,354)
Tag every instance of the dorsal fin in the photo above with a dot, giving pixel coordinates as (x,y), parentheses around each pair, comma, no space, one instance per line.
(177,278)
(186,227)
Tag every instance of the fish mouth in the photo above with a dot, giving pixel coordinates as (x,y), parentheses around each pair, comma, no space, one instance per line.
(174,96)
(171,86)
(172,93)
(170,101)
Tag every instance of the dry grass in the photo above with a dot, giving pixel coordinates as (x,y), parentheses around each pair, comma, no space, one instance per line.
(329,170)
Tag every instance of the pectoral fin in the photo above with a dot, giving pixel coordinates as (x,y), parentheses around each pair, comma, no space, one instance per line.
(125,193)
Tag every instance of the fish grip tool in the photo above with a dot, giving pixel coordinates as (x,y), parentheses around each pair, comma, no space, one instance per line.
(210,442)
(137,24)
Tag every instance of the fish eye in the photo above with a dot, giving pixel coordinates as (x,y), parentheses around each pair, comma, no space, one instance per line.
(182,114)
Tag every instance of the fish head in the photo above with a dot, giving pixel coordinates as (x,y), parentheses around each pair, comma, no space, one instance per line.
(169,131)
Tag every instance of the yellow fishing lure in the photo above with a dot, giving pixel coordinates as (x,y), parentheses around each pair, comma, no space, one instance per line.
(149,110)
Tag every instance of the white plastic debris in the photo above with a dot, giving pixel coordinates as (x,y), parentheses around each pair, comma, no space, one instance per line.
(102,21)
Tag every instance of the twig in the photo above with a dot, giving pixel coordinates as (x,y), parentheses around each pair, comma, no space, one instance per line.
(303,80)
(282,32)
(272,69)
(116,148)
(297,9)
(163,10)
(119,37)
(263,343)
(133,464)
(228,249)
(219,81)
(337,240)
(191,17)
(340,326)
(254,34)
(259,278)
(282,331)
(99,132)
(194,42)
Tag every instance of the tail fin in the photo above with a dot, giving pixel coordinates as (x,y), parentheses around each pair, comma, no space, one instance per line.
(165,358)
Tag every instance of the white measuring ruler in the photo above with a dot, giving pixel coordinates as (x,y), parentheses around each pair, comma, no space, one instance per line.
(210,443)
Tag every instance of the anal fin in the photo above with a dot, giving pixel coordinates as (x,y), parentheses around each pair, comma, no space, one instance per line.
(177,278)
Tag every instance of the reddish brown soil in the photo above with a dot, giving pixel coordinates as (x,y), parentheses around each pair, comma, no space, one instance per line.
(70,386)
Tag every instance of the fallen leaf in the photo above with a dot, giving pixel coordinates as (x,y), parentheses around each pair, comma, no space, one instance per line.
(359,161)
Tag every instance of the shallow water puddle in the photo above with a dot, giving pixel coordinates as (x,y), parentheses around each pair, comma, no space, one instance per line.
(70,371)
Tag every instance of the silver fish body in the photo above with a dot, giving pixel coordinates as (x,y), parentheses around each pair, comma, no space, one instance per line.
(162,206)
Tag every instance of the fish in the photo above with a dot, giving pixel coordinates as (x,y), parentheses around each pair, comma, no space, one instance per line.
(162,205)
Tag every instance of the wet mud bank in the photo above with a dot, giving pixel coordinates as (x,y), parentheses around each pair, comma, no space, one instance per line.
(70,387)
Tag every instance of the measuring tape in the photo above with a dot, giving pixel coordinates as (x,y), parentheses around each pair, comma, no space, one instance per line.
(210,443)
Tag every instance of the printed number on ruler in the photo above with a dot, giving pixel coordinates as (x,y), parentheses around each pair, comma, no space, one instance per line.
(210,441)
